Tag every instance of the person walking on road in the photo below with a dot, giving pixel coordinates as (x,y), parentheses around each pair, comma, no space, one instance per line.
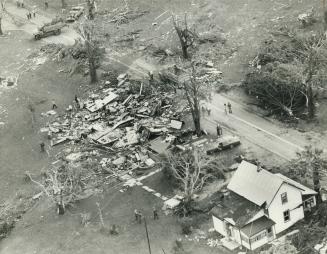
(219,130)
(34,13)
(225,108)
(54,105)
(155,213)
(208,111)
(140,217)
(136,214)
(229,108)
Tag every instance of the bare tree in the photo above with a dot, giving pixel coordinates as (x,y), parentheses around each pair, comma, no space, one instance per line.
(186,37)
(311,163)
(189,169)
(62,185)
(88,32)
(195,90)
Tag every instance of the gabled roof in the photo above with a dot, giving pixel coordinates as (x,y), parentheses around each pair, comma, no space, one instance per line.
(304,190)
(236,208)
(260,186)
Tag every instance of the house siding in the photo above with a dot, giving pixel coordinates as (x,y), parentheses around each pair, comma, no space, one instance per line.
(276,208)
(219,226)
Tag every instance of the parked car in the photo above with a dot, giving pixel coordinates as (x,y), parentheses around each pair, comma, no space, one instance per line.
(48,30)
(75,13)
(224,143)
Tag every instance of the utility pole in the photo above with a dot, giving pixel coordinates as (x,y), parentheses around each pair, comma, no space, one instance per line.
(147,235)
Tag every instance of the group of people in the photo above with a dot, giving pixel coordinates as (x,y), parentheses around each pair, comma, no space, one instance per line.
(138,215)
(206,109)
(20,4)
(229,107)
(29,15)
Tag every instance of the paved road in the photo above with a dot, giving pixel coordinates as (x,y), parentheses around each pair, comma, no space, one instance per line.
(16,20)
(274,138)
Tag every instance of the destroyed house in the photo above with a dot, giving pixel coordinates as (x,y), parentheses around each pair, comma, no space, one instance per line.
(258,205)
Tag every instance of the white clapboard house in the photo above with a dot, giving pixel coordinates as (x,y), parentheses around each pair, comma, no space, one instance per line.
(258,205)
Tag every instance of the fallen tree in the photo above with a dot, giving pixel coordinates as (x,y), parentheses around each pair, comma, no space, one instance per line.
(287,71)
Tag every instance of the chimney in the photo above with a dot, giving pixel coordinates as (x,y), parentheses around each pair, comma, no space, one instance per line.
(259,168)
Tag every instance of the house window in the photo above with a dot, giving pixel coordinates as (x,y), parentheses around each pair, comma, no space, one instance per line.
(286,215)
(284,197)
(309,203)
(259,236)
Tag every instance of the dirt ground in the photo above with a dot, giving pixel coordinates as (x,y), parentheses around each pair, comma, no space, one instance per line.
(41,231)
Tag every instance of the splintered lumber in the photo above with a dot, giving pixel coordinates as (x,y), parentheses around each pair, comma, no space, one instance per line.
(100,103)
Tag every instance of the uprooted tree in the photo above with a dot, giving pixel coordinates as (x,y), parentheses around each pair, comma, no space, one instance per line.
(191,170)
(289,69)
(90,38)
(310,163)
(185,35)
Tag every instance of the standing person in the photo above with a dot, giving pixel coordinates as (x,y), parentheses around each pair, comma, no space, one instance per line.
(229,108)
(140,217)
(54,105)
(49,134)
(208,111)
(76,100)
(155,213)
(42,146)
(219,130)
(136,214)
(46,5)
(203,109)
(225,108)
(28,15)
(34,13)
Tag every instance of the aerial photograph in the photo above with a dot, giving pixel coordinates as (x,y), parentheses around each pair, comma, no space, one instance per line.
(163,126)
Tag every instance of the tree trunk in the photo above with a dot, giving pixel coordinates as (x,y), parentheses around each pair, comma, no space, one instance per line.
(316,183)
(197,121)
(1,33)
(91,60)
(63,4)
(311,103)
(184,49)
(92,70)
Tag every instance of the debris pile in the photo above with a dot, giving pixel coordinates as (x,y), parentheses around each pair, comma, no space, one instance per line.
(119,119)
